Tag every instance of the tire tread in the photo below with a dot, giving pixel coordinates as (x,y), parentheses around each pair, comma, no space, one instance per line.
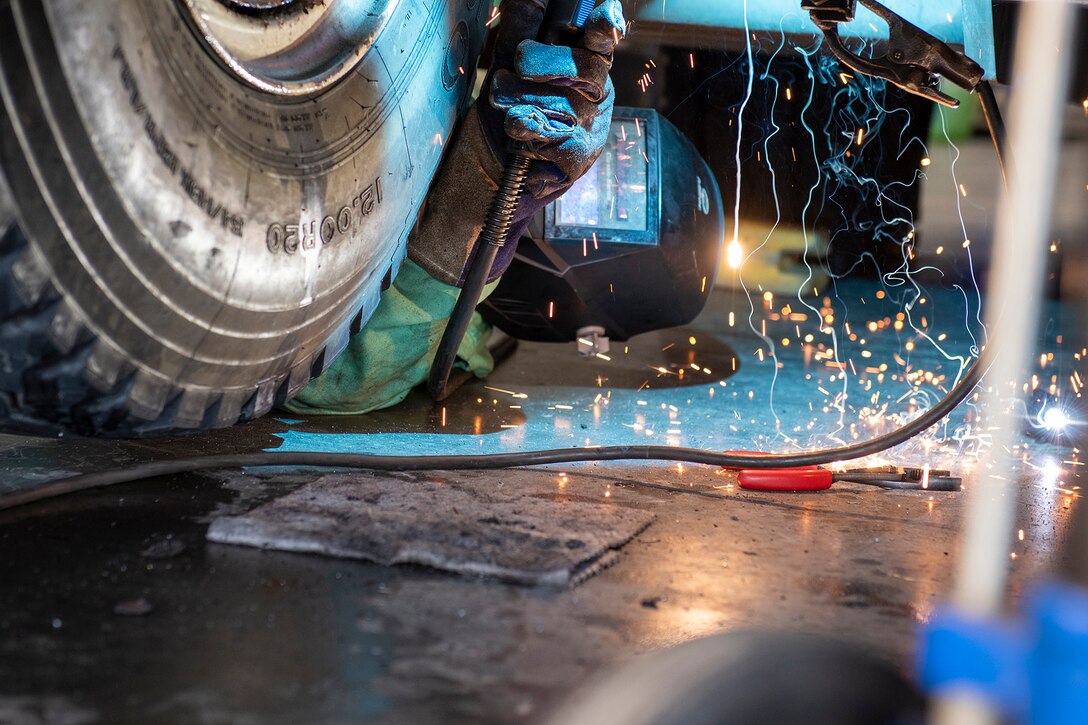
(47,389)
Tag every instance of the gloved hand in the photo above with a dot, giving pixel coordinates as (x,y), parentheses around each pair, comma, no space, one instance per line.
(556,100)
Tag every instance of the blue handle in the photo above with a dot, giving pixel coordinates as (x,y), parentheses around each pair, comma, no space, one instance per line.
(563,20)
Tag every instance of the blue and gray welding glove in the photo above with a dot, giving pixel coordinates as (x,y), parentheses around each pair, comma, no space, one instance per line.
(556,100)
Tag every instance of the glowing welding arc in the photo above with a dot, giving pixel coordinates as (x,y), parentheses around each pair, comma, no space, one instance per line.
(734,254)
(1055,419)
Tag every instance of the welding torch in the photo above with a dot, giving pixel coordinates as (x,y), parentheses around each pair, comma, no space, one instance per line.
(563,22)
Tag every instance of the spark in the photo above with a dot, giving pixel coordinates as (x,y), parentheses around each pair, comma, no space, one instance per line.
(511,393)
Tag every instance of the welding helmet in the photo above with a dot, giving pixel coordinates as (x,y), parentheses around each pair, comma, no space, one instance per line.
(632,246)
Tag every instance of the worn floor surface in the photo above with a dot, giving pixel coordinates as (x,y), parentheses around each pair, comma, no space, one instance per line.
(230,634)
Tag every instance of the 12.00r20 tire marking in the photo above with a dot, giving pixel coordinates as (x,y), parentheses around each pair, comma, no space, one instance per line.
(183,250)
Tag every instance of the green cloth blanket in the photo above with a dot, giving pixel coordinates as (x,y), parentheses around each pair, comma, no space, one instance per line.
(393,353)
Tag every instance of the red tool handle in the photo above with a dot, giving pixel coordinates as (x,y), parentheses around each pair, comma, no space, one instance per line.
(785,479)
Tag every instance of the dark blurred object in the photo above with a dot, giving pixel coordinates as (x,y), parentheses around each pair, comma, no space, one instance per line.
(1006,13)
(804,162)
(750,678)
(633,246)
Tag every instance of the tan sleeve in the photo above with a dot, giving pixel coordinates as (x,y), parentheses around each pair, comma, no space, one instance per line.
(455,209)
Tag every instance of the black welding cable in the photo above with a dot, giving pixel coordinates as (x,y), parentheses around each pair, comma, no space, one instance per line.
(929,418)
(996,125)
(508,460)
(493,238)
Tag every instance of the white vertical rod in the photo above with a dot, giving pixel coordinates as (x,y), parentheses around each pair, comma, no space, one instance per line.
(1040,72)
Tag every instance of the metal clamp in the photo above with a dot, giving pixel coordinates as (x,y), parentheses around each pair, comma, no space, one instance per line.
(915,61)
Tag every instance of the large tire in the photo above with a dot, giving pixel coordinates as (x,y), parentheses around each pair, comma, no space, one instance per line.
(180,249)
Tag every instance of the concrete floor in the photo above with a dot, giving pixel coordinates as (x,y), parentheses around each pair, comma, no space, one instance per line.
(238,635)
(113,609)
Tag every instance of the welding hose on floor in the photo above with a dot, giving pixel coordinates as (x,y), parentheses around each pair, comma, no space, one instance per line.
(919,425)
